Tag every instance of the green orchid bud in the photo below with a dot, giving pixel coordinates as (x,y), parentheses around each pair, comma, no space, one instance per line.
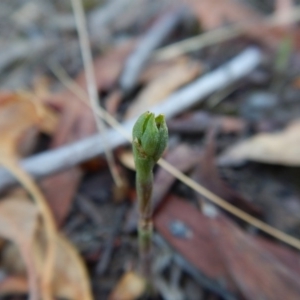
(150,137)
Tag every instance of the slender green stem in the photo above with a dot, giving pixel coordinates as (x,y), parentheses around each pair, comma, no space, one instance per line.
(144,191)
(150,136)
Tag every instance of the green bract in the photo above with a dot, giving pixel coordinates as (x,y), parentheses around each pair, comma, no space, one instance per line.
(150,137)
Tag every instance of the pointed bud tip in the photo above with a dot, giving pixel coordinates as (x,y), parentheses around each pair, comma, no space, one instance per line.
(152,134)
(159,120)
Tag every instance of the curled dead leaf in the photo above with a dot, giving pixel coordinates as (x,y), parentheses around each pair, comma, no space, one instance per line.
(18,223)
(21,118)
(281,148)
(19,121)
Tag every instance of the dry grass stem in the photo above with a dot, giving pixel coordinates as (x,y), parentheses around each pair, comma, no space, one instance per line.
(91,84)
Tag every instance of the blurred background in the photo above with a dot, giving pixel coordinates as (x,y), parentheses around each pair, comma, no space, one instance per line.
(225,73)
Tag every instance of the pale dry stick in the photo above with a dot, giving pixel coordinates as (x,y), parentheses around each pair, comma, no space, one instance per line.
(55,160)
(50,228)
(222,34)
(194,185)
(91,84)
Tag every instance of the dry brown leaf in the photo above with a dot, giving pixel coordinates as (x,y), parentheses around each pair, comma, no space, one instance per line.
(8,160)
(162,86)
(71,280)
(258,268)
(59,190)
(281,148)
(157,67)
(21,117)
(19,120)
(18,223)
(196,243)
(19,124)
(256,271)
(130,287)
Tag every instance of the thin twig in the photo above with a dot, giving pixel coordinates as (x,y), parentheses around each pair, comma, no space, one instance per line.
(91,84)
